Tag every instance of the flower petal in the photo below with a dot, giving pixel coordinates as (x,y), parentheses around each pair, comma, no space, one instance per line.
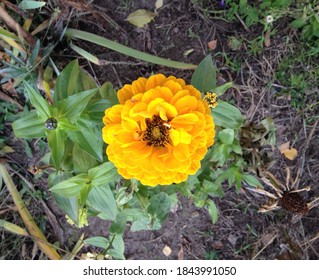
(124,93)
(154,81)
(158,107)
(138,86)
(186,104)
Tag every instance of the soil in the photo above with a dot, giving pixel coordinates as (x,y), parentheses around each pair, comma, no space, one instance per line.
(240,232)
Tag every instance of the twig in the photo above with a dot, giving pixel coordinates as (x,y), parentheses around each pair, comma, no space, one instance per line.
(242,22)
(262,249)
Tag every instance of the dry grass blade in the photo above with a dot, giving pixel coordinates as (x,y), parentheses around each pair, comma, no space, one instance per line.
(32,227)
(17,27)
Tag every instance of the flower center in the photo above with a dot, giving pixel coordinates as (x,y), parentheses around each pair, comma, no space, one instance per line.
(156,133)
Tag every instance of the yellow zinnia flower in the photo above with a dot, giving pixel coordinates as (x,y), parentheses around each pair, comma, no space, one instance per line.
(159,132)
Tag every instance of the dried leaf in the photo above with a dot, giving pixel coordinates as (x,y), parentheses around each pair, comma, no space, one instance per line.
(212,44)
(267,39)
(7,150)
(140,17)
(159,4)
(284,146)
(180,255)
(218,245)
(35,250)
(266,238)
(289,153)
(167,251)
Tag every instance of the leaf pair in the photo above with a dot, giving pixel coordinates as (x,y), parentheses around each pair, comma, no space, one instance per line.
(74,92)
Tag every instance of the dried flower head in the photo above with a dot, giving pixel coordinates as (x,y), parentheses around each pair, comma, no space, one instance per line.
(286,196)
(159,132)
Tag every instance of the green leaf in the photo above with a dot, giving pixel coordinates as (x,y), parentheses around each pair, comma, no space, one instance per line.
(70,205)
(35,52)
(64,124)
(213,189)
(103,174)
(97,106)
(213,211)
(251,180)
(227,136)
(72,80)
(159,206)
(43,108)
(72,106)
(204,77)
(67,81)
(71,187)
(119,225)
(89,139)
(102,200)
(227,116)
(82,161)
(56,140)
(97,241)
(96,110)
(73,33)
(29,126)
(141,224)
(118,245)
(270,127)
(220,153)
(140,17)
(29,5)
(222,89)
(298,23)
(108,92)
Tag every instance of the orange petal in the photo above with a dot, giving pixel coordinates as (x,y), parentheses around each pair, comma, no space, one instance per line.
(177,80)
(139,107)
(110,132)
(173,86)
(166,111)
(124,93)
(130,125)
(183,121)
(154,81)
(138,86)
(193,91)
(181,152)
(186,104)
(113,114)
(179,136)
(179,95)
(152,106)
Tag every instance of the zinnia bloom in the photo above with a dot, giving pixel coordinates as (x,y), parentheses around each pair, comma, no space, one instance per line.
(159,132)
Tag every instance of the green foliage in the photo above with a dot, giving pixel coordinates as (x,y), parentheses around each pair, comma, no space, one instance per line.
(85,184)
(73,92)
(113,246)
(225,161)
(204,77)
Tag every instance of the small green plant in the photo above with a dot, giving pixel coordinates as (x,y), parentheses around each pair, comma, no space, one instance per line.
(86,184)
